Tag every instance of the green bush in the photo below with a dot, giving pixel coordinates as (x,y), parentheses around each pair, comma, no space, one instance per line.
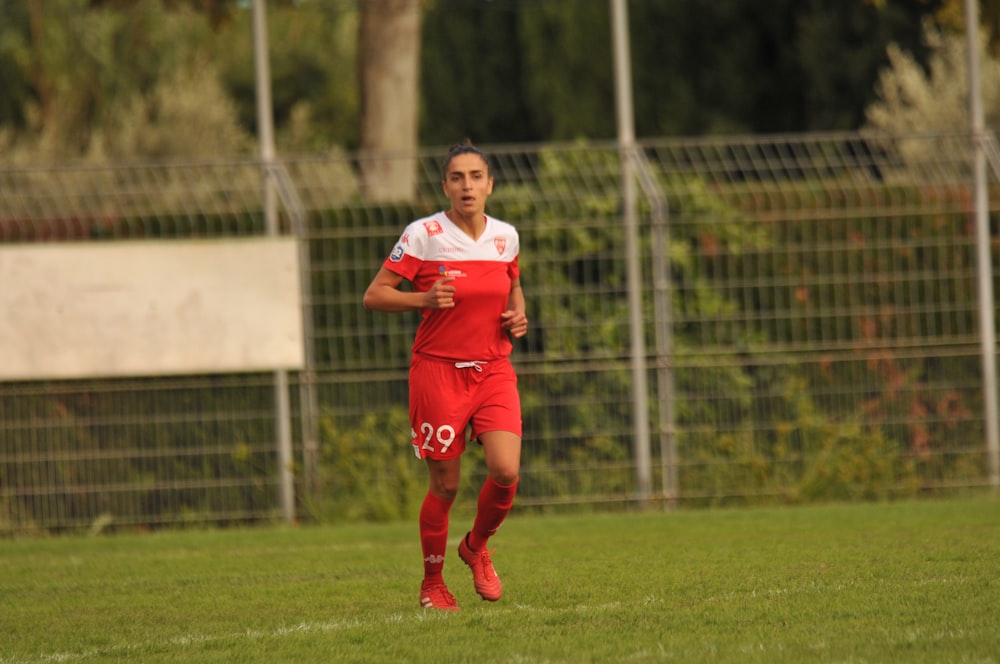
(368,471)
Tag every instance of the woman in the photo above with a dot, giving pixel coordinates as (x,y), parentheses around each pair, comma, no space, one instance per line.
(463,266)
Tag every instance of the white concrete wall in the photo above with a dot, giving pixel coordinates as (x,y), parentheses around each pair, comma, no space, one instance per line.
(149,308)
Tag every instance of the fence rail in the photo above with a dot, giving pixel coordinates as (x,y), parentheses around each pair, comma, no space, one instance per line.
(807,307)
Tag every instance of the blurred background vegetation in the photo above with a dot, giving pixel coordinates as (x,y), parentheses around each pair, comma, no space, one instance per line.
(106,80)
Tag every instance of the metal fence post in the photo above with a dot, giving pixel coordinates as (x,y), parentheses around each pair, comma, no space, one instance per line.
(283,427)
(663,324)
(626,144)
(987,323)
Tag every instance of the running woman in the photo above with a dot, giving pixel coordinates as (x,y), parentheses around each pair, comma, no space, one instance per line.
(463,267)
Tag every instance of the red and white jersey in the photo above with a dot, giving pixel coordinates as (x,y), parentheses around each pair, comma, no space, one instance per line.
(434,247)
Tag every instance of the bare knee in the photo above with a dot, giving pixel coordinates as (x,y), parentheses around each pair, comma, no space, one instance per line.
(503,456)
(446,492)
(443,478)
(504,476)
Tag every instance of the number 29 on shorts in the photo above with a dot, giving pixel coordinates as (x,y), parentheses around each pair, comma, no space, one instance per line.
(432,441)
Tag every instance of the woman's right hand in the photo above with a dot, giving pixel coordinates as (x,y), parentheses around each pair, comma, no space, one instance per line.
(441,295)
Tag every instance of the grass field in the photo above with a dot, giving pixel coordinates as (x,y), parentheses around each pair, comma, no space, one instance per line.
(897,582)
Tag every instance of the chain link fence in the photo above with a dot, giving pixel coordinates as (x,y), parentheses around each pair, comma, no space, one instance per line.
(803,325)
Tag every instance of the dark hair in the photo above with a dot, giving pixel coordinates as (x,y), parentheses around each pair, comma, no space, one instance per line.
(463,148)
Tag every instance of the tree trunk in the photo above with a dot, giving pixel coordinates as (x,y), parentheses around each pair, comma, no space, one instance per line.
(389,63)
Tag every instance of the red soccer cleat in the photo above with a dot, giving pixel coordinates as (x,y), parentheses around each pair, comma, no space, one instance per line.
(436,596)
(483,575)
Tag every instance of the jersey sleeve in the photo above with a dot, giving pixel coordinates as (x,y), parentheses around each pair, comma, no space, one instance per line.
(408,254)
(514,268)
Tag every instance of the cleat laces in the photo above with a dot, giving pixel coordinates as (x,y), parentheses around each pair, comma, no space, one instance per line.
(437,596)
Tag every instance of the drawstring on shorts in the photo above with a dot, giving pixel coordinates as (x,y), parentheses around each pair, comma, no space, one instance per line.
(475,364)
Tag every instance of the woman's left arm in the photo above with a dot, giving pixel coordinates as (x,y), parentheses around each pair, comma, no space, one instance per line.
(515,320)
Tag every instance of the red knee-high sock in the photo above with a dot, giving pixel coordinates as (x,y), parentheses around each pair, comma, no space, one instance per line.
(434,535)
(495,501)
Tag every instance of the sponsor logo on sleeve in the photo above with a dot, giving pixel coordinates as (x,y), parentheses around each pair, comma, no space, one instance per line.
(397,254)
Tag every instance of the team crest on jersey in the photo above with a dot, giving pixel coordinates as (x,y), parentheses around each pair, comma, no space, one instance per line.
(433,228)
(397,254)
(500,243)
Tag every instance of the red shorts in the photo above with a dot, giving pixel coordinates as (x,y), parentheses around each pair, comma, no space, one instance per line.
(447,397)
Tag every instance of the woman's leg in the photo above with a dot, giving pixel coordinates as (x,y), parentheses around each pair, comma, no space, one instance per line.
(443,476)
(503,460)
(503,466)
(443,485)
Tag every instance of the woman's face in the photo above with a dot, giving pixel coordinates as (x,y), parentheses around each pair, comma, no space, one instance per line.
(467,184)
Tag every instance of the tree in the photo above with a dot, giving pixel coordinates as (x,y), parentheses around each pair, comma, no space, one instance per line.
(96,81)
(378,75)
(543,70)
(218,12)
(952,16)
(841,47)
(313,53)
(568,72)
(389,71)
(482,102)
(912,99)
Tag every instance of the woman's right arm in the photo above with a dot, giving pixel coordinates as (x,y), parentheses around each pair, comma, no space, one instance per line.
(383,294)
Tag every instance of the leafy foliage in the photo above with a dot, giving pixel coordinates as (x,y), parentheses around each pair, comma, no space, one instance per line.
(73,70)
(914,99)
(152,79)
(101,465)
(368,472)
(853,409)
(545,72)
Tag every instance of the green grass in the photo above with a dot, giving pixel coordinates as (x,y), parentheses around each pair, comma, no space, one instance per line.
(898,582)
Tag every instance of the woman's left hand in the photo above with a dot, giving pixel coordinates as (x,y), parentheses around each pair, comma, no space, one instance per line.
(515,322)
